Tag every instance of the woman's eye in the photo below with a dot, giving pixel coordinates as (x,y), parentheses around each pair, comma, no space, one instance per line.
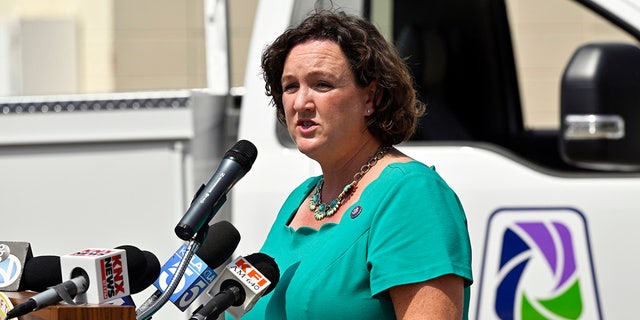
(289,87)
(323,85)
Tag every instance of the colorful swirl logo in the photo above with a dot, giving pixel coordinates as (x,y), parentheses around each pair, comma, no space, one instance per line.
(547,244)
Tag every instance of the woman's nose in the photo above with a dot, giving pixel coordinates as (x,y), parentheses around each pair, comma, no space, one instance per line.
(303,101)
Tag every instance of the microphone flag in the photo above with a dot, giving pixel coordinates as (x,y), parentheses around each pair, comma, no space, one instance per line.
(197,277)
(13,256)
(105,269)
(249,277)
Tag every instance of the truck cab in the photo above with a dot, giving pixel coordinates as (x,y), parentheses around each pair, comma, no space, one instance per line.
(549,201)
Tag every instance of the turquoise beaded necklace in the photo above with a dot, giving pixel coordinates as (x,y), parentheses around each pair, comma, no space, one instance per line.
(322,210)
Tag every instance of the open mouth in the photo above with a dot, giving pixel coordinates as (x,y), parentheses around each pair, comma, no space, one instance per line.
(306,124)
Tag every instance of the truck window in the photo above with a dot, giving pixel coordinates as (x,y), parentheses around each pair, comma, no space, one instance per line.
(545,34)
(490,71)
(460,54)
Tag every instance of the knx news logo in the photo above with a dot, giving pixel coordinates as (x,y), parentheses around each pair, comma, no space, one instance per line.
(537,265)
(112,276)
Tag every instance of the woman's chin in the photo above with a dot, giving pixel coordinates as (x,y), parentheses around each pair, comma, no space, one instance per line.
(307,146)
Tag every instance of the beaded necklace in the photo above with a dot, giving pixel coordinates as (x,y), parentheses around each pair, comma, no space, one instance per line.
(322,210)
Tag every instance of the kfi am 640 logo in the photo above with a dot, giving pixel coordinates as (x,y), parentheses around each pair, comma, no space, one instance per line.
(537,265)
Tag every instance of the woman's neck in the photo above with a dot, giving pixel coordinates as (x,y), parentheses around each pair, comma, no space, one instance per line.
(340,172)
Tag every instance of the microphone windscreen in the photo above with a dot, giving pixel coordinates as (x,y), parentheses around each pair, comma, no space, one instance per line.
(243,152)
(136,262)
(221,241)
(149,274)
(40,273)
(267,266)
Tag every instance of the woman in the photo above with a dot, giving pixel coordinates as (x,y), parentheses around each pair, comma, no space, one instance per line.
(378,235)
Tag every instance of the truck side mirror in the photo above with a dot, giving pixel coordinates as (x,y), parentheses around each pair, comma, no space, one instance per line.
(600,108)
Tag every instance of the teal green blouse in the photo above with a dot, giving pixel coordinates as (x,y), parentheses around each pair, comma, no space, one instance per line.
(408,226)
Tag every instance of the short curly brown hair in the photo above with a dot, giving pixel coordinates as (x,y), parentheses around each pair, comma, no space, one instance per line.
(370,57)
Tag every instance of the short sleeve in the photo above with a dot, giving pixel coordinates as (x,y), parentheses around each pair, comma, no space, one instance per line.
(419,231)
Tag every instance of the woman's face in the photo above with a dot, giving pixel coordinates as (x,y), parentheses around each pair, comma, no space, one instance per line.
(324,107)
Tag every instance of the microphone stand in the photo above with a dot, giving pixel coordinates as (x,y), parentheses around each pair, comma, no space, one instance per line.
(154,303)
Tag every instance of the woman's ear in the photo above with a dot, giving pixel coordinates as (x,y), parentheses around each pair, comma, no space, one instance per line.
(372,98)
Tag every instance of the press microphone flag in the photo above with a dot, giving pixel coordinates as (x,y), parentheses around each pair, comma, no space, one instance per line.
(237,161)
(196,279)
(240,285)
(105,270)
(221,240)
(13,256)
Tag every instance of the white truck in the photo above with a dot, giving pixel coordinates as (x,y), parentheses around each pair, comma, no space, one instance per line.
(551,212)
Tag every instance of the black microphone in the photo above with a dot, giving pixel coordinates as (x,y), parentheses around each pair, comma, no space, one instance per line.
(150,273)
(44,274)
(240,285)
(78,284)
(237,161)
(40,273)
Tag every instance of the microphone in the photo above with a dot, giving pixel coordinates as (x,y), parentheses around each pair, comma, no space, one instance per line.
(13,256)
(220,243)
(237,161)
(241,284)
(102,270)
(148,276)
(42,272)
(148,265)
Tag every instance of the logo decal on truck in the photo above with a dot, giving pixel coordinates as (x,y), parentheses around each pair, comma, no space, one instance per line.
(537,265)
